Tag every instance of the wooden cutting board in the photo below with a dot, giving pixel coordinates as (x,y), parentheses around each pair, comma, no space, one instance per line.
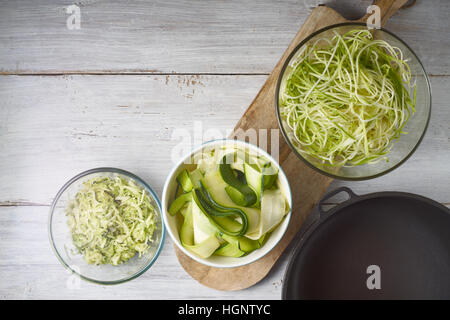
(307,185)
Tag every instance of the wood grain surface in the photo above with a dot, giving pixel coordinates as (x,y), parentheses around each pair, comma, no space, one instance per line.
(115,92)
(187,36)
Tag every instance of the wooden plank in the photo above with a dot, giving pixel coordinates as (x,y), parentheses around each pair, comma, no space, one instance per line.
(55,127)
(186,36)
(39,275)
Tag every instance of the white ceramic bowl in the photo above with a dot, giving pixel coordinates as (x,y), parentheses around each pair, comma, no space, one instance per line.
(218,261)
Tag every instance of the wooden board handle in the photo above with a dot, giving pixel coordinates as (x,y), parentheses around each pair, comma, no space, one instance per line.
(387,9)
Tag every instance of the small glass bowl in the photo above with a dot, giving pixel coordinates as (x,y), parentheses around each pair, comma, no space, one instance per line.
(61,240)
(416,125)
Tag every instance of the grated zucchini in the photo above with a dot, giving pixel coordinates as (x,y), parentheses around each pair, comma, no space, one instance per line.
(111,220)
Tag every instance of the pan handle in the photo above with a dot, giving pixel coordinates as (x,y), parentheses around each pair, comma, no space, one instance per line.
(350,193)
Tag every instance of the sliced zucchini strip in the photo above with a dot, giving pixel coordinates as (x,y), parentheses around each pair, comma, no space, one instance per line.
(180,202)
(273,209)
(203,249)
(216,213)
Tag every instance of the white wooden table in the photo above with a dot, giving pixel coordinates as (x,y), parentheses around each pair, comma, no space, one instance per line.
(113,93)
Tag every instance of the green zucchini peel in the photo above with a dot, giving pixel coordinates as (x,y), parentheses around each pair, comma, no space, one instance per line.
(239,192)
(234,201)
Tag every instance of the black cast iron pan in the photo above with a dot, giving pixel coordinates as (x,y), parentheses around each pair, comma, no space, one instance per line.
(387,245)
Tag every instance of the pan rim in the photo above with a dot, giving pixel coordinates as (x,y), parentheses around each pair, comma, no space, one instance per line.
(341,206)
